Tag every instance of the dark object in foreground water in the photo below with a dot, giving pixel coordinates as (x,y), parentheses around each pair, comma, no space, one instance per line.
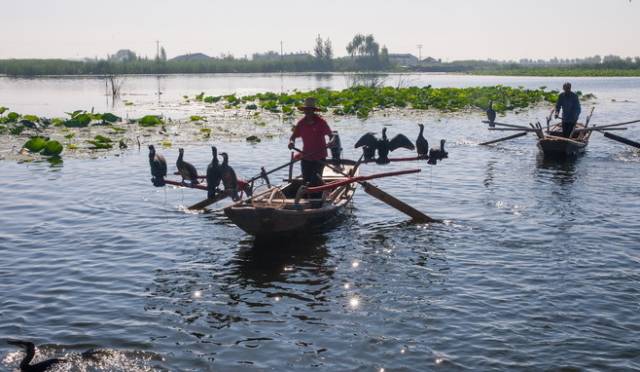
(158,166)
(30,349)
(229,179)
(437,154)
(422,145)
(187,170)
(383,145)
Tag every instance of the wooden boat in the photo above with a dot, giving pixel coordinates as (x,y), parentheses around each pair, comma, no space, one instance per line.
(551,141)
(285,209)
(553,144)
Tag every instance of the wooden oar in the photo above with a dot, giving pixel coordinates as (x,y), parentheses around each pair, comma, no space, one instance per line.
(626,141)
(606,126)
(506,125)
(504,138)
(524,129)
(349,180)
(386,198)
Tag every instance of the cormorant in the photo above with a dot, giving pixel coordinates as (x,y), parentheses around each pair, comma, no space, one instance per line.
(158,167)
(187,170)
(491,114)
(214,174)
(30,349)
(422,146)
(30,124)
(229,179)
(437,154)
(383,145)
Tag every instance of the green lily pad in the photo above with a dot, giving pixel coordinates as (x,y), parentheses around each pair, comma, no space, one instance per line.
(52,148)
(110,118)
(253,139)
(35,144)
(13,116)
(150,121)
(3,109)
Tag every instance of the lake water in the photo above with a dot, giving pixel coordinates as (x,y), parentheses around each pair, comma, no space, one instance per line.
(536,268)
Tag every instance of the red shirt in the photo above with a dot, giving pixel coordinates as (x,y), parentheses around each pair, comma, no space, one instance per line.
(312,131)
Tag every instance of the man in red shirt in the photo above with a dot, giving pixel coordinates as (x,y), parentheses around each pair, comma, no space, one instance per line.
(312,129)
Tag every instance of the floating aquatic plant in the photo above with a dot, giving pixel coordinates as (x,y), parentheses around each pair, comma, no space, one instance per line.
(150,121)
(197,118)
(45,146)
(253,139)
(212,99)
(100,143)
(52,148)
(35,144)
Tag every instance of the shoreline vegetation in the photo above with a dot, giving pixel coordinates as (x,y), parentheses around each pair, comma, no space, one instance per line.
(58,67)
(248,117)
(364,54)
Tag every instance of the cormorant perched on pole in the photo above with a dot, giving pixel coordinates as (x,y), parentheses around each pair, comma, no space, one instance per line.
(422,145)
(187,170)
(229,179)
(383,145)
(491,114)
(214,174)
(158,167)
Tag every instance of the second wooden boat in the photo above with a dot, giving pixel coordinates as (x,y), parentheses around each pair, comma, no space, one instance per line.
(554,144)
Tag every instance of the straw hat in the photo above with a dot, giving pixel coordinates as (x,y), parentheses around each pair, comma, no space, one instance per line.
(309,104)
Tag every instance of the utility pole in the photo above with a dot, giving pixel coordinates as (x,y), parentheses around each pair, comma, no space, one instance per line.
(281,56)
(419,52)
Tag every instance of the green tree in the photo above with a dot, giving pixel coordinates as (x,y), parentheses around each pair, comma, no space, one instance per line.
(318,50)
(163,54)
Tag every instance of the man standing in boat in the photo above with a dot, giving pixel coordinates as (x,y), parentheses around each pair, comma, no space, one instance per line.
(570,105)
(313,129)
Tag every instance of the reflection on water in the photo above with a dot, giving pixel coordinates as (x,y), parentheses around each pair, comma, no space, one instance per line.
(562,171)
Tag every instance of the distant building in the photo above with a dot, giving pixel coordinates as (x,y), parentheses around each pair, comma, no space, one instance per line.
(191,57)
(405,59)
(275,56)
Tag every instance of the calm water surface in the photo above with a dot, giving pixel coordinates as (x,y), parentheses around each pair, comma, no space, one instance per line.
(537,267)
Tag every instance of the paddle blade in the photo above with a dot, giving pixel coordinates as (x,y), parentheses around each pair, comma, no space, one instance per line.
(397,204)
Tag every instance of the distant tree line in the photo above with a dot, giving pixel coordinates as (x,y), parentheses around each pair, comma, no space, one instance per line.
(364,54)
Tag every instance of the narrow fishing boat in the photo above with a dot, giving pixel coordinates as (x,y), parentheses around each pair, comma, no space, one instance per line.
(551,141)
(553,144)
(284,209)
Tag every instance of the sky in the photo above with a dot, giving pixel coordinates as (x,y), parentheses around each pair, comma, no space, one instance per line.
(447,29)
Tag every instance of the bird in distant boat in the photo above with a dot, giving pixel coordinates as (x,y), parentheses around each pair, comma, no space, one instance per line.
(491,114)
(186,170)
(214,174)
(229,179)
(436,154)
(158,167)
(30,350)
(422,145)
(383,145)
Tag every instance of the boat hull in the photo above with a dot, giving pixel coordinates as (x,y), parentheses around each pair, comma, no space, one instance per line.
(280,212)
(552,146)
(271,222)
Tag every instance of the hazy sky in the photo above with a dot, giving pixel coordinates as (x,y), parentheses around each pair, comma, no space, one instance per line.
(452,29)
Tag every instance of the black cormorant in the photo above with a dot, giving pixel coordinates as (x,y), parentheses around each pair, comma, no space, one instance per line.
(437,154)
(422,146)
(187,170)
(214,174)
(383,145)
(229,179)
(158,167)
(30,349)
